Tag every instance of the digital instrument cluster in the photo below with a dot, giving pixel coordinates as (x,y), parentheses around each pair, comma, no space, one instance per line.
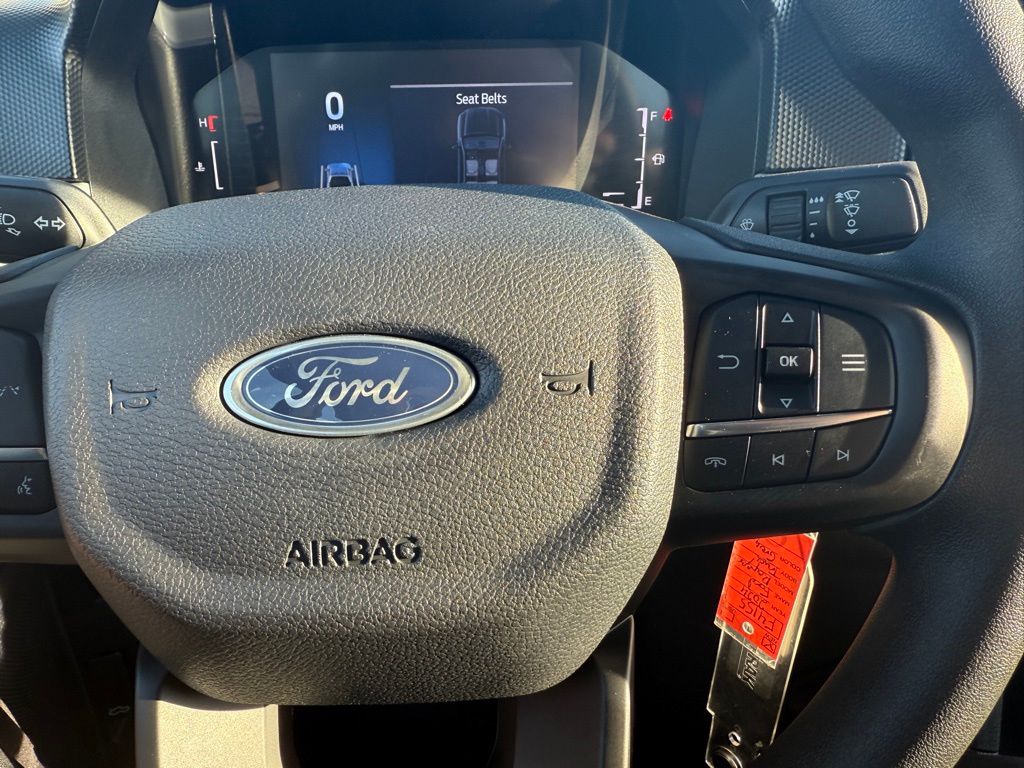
(573,115)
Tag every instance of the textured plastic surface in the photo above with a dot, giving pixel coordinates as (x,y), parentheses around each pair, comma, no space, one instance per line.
(33,117)
(816,118)
(537,513)
(172,721)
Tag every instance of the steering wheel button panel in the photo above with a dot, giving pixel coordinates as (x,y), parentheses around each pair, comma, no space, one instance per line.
(715,465)
(25,487)
(779,459)
(726,362)
(856,365)
(847,450)
(820,370)
(21,401)
(782,451)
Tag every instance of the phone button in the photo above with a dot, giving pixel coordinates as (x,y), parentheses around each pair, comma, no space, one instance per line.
(715,464)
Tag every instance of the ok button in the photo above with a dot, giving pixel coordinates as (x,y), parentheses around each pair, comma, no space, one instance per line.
(788,362)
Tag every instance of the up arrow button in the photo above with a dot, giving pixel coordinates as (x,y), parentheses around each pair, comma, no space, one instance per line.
(788,323)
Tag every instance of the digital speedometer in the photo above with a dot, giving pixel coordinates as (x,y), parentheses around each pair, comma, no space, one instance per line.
(567,115)
(414,116)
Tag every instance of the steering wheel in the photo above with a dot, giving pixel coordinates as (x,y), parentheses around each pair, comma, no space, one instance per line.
(487,551)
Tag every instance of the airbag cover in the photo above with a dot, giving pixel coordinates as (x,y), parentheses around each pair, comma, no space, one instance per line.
(483,554)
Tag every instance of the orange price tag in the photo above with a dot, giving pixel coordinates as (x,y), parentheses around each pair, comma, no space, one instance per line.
(760,589)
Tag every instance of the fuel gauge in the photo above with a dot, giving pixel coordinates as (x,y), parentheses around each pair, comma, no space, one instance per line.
(636,158)
(645,188)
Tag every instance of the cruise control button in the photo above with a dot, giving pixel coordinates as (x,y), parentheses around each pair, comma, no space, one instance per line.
(790,323)
(715,464)
(855,366)
(25,487)
(725,362)
(847,450)
(21,391)
(778,459)
(792,397)
(788,362)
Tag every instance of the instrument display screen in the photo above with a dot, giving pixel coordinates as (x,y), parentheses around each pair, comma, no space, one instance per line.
(571,115)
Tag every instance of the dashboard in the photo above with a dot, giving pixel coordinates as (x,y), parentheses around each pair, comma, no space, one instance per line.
(566,114)
(606,97)
(727,111)
(662,106)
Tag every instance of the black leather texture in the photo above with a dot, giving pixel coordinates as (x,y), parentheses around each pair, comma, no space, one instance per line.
(537,513)
(948,630)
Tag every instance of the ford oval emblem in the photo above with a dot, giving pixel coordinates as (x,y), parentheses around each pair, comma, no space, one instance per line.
(344,386)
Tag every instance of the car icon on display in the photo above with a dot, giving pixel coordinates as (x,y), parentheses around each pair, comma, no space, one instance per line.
(339,175)
(481,136)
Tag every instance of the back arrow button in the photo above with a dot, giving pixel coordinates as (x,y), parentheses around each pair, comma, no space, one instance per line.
(729,362)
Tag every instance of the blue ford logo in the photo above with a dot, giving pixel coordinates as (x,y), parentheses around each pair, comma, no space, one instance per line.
(343,386)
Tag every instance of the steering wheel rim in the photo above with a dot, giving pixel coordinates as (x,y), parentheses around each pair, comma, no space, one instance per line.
(942,641)
(948,630)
